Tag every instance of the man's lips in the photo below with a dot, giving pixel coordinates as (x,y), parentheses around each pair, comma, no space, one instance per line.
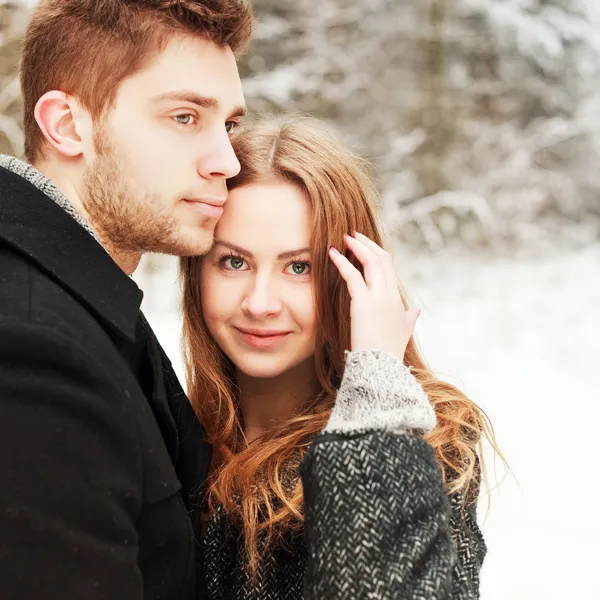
(211,207)
(262,338)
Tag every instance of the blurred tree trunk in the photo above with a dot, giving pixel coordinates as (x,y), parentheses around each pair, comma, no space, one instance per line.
(436,114)
(13,18)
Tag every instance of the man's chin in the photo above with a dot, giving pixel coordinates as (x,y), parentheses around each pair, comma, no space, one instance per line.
(192,244)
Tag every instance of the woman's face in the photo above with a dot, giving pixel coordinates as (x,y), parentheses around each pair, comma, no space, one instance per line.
(256,288)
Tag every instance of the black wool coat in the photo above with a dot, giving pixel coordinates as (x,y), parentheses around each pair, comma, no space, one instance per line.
(102,457)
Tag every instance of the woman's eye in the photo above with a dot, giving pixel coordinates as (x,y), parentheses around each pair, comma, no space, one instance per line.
(233,263)
(299,268)
(186,119)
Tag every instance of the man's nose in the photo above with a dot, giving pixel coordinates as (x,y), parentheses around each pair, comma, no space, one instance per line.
(219,159)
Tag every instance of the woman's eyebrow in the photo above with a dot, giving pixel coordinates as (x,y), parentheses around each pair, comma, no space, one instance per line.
(235,248)
(292,253)
(244,252)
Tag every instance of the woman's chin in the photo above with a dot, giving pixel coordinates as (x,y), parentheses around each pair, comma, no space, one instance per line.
(257,371)
(266,366)
(273,365)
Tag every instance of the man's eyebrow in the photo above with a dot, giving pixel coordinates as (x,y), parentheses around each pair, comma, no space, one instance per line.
(248,254)
(202,101)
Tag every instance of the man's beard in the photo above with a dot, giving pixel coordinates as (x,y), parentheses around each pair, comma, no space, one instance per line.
(124,214)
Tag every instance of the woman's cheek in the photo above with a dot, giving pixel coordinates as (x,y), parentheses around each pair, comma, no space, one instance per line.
(223,299)
(308,310)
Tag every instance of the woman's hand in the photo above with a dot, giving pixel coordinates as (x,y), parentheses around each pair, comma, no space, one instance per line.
(379,320)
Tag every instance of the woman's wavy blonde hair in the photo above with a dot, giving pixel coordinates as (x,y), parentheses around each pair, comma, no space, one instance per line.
(252,482)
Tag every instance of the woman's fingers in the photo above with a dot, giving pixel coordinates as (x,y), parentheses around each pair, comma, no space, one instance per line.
(369,243)
(385,257)
(350,274)
(378,317)
(410,320)
(375,275)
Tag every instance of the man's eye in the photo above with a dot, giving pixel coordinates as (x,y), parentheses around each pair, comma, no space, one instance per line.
(186,119)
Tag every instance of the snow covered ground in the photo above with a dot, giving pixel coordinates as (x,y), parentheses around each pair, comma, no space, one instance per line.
(522,337)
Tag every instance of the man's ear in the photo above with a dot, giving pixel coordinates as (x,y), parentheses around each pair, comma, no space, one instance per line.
(56,115)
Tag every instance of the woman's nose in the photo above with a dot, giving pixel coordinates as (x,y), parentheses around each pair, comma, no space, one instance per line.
(262,299)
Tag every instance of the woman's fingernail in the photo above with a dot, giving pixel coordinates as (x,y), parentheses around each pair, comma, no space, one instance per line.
(333,250)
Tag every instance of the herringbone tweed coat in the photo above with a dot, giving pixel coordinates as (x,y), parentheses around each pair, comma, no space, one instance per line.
(378,521)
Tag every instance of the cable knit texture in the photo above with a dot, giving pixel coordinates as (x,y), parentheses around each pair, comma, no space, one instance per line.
(45,185)
(378,521)
(379,392)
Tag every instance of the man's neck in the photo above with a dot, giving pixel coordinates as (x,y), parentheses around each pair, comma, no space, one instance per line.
(128,261)
(59,176)
(267,403)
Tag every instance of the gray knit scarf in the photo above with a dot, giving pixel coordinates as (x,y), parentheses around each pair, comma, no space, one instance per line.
(42,183)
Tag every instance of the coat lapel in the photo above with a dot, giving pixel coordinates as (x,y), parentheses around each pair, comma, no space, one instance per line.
(35,226)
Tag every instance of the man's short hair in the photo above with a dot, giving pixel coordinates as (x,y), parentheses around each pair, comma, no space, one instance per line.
(86,48)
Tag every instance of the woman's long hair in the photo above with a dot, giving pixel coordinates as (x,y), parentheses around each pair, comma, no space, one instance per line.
(256,484)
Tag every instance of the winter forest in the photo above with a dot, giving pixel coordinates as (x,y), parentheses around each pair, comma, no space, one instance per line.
(482,122)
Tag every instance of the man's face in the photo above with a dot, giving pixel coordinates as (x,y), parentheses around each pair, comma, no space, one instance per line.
(162,155)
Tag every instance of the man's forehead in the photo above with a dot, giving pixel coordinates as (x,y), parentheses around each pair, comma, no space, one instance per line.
(194,67)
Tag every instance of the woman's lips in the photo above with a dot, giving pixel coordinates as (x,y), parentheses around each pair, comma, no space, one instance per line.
(262,339)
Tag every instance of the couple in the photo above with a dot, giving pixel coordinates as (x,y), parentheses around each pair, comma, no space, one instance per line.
(317,456)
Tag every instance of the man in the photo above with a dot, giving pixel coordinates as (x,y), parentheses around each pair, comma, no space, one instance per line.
(129,108)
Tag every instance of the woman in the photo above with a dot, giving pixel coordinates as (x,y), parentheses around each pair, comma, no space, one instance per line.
(334,474)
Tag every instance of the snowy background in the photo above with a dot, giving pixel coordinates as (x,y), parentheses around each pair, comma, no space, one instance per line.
(482,119)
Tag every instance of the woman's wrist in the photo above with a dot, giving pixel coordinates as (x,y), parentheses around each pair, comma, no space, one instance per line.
(379,392)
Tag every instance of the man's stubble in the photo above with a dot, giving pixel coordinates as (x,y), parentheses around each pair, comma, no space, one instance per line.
(126,216)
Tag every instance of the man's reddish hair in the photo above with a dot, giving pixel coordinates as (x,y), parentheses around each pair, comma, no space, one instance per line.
(86,48)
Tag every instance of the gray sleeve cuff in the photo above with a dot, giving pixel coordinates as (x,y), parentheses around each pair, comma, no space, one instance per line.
(379,392)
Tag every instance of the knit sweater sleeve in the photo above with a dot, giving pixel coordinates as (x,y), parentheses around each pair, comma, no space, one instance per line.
(378,520)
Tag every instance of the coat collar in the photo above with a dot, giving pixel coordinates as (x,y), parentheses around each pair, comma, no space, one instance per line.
(39,228)
(45,185)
